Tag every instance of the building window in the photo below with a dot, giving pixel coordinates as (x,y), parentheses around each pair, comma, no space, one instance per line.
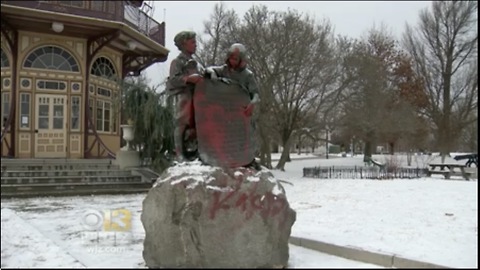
(75,113)
(58,113)
(25,83)
(90,107)
(75,87)
(97,5)
(104,92)
(91,89)
(103,116)
(51,85)
(78,4)
(53,58)
(6,83)
(5,108)
(24,110)
(5,62)
(102,67)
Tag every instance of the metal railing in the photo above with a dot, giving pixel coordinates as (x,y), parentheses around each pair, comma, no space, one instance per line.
(362,172)
(108,10)
(143,23)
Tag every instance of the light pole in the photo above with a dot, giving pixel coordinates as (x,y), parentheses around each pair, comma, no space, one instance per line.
(353,146)
(328,136)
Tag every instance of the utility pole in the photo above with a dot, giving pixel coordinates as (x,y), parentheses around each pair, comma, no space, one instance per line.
(328,137)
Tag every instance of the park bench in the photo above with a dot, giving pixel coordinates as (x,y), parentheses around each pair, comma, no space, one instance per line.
(369,161)
(448,170)
(471,159)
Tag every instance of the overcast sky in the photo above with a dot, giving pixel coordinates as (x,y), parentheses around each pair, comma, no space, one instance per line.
(351,18)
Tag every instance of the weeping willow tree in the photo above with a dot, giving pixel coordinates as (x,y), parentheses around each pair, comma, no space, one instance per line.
(151,114)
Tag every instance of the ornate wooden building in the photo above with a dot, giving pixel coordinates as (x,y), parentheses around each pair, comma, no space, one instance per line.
(62,65)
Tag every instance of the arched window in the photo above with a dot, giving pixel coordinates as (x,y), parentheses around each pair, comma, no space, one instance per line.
(102,67)
(51,57)
(5,62)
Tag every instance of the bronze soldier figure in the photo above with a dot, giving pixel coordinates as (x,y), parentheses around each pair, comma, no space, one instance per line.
(235,71)
(184,74)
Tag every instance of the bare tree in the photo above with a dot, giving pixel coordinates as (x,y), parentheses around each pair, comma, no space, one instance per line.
(380,105)
(295,60)
(217,35)
(444,47)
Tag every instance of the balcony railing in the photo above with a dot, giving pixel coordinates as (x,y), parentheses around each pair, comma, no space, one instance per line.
(120,11)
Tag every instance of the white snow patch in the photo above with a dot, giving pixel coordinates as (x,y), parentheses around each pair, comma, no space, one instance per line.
(222,189)
(277,190)
(238,173)
(252,178)
(195,178)
(24,246)
(191,168)
(210,179)
(272,179)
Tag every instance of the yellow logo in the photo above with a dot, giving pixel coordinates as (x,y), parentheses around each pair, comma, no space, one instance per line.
(118,220)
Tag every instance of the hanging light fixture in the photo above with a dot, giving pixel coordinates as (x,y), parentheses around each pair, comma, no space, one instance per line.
(57,27)
(132,45)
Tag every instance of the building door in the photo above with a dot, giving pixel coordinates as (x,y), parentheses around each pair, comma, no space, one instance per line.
(50,126)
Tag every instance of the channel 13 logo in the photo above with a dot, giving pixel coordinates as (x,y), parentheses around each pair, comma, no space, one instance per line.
(117,220)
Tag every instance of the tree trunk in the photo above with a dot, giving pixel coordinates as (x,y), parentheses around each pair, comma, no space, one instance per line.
(275,148)
(392,148)
(367,151)
(284,157)
(265,157)
(369,146)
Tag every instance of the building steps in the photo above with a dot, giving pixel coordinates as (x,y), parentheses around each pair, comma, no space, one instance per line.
(54,167)
(67,177)
(64,173)
(68,193)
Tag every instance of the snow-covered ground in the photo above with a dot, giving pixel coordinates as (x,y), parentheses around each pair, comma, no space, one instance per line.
(427,219)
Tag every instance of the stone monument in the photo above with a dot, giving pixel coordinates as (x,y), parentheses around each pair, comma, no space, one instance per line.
(217,210)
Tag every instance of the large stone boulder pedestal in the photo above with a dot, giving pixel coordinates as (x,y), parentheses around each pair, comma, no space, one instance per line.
(202,216)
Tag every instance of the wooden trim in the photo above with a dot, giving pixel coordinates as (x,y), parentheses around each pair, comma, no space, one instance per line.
(75,19)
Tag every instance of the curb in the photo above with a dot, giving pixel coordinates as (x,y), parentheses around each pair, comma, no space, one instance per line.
(358,254)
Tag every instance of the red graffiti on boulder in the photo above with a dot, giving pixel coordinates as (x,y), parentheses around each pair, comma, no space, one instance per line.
(267,205)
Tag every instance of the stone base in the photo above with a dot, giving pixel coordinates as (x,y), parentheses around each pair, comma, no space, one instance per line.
(128,159)
(207,217)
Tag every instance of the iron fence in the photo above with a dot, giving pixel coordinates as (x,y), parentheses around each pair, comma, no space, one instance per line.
(363,172)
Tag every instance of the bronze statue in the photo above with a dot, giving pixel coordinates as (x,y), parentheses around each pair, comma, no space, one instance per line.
(213,116)
(235,70)
(184,74)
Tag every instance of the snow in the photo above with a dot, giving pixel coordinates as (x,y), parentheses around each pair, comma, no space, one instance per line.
(277,190)
(193,167)
(428,219)
(35,249)
(307,258)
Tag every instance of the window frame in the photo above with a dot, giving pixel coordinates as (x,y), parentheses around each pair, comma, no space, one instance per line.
(5,113)
(79,116)
(42,50)
(104,122)
(21,114)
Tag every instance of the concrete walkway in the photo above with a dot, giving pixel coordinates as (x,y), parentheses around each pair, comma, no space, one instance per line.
(360,255)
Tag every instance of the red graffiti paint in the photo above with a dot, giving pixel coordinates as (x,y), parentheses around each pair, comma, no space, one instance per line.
(267,205)
(223,131)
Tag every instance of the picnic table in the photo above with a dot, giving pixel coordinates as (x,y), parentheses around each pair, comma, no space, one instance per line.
(449,169)
(471,159)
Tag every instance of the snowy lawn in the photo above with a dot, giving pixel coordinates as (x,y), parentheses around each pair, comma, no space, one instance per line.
(429,219)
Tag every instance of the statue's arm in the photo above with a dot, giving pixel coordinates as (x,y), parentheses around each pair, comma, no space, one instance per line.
(176,77)
(252,87)
(215,71)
